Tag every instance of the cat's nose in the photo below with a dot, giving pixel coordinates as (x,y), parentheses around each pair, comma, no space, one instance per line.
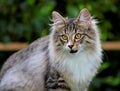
(70,46)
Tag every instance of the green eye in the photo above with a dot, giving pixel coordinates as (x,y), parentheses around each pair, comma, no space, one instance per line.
(64,37)
(78,36)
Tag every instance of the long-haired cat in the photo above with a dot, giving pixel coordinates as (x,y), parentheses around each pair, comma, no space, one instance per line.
(65,60)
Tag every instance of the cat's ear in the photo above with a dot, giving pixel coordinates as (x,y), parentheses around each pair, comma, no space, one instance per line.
(57,17)
(84,16)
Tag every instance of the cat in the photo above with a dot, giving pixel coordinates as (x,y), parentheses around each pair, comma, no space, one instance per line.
(65,60)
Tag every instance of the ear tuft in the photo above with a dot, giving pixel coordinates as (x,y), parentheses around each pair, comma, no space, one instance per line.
(57,17)
(84,15)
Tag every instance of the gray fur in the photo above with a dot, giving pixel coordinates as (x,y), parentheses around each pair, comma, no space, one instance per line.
(49,64)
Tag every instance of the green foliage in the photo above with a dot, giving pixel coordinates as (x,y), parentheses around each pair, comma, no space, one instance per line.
(26,20)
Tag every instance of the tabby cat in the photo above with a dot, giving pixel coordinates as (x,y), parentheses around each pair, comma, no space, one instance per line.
(65,60)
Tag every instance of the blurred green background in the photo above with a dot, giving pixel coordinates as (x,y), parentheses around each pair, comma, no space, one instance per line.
(26,20)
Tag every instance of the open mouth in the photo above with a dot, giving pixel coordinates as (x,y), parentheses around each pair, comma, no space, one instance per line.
(73,51)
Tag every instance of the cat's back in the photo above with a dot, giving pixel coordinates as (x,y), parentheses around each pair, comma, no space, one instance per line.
(38,47)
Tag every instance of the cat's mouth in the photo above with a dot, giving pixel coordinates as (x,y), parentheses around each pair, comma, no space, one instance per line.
(73,51)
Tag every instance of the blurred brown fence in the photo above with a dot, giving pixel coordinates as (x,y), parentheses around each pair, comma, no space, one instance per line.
(111,45)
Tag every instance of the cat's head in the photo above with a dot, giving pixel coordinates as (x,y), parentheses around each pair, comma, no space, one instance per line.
(73,35)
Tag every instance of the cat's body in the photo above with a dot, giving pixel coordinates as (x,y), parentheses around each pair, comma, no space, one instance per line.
(65,60)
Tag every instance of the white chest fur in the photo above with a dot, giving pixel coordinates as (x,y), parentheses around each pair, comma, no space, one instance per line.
(80,70)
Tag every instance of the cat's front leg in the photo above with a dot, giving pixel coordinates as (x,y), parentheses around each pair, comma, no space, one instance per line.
(57,85)
(55,82)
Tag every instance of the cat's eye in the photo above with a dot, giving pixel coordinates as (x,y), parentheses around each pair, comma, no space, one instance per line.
(78,36)
(64,37)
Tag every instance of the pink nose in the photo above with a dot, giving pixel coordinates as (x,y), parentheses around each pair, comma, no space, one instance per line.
(70,46)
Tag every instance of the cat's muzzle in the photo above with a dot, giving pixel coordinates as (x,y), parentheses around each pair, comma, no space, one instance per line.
(73,51)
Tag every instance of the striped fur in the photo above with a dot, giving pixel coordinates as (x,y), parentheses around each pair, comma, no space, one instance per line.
(65,60)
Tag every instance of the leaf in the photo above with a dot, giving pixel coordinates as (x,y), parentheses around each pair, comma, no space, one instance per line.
(104,66)
(113,81)
(72,11)
(30,2)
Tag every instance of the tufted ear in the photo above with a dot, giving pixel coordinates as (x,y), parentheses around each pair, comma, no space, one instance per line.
(57,17)
(84,16)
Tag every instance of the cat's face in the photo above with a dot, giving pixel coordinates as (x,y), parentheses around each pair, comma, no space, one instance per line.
(71,39)
(74,35)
